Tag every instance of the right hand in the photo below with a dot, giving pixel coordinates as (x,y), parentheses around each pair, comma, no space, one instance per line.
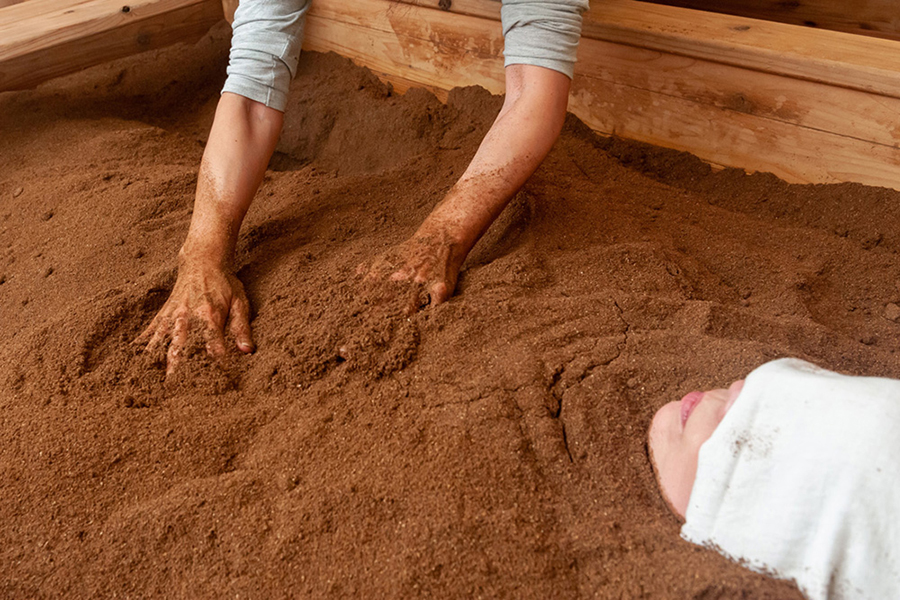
(205,297)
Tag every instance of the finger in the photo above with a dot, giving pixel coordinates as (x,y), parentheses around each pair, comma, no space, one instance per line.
(240,325)
(439,292)
(418,299)
(176,348)
(157,340)
(215,342)
(213,315)
(159,335)
(145,336)
(400,275)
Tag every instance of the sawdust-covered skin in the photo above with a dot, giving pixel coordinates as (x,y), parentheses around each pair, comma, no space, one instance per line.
(420,272)
(491,445)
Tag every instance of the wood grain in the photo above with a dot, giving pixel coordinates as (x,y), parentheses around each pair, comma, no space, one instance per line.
(797,102)
(832,57)
(878,18)
(807,105)
(42,39)
(795,135)
(801,129)
(432,47)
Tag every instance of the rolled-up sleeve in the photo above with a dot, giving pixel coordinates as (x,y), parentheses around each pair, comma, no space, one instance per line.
(544,33)
(265,49)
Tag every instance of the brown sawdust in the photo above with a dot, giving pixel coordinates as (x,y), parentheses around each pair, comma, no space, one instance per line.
(492,446)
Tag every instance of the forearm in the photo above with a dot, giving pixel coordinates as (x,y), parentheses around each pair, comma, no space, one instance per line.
(520,138)
(241,142)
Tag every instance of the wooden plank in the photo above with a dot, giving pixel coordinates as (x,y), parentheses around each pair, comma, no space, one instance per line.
(13,18)
(836,58)
(486,9)
(755,139)
(878,18)
(850,113)
(42,39)
(434,48)
(802,130)
(832,57)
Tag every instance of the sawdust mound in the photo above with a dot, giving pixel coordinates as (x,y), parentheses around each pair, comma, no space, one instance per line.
(492,446)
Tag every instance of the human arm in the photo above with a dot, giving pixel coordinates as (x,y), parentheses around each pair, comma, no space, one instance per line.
(541,40)
(207,292)
(523,133)
(265,47)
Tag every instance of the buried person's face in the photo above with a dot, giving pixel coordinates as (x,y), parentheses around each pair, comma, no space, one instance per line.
(676,434)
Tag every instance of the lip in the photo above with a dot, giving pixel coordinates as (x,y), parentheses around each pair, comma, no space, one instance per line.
(688,404)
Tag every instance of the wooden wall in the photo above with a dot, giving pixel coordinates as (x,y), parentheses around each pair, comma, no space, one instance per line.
(807,105)
(42,39)
(879,18)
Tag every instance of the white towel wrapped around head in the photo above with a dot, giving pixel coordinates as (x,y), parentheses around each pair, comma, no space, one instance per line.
(801,480)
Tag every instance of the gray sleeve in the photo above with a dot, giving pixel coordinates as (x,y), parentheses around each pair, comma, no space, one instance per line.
(265,49)
(544,33)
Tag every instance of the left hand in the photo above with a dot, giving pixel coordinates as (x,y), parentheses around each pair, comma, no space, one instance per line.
(422,271)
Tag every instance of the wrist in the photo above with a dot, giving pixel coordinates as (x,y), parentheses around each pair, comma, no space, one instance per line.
(448,233)
(205,253)
(464,215)
(210,241)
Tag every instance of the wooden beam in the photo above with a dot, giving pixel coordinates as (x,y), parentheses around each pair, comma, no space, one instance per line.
(878,18)
(796,102)
(804,132)
(437,49)
(728,108)
(42,39)
(831,57)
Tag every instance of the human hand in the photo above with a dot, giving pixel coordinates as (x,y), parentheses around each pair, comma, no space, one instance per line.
(421,271)
(204,297)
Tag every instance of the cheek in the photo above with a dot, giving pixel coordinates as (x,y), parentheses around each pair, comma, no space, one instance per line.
(701,425)
(665,437)
(692,441)
(673,459)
